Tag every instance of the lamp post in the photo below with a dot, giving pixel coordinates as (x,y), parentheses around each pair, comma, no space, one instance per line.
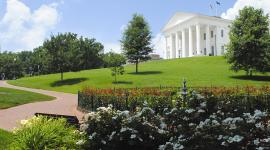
(184,90)
(14,61)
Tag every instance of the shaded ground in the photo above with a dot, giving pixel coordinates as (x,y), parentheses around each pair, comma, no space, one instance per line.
(252,78)
(68,82)
(64,104)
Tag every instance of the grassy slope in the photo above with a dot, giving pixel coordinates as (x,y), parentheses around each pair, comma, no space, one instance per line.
(11,97)
(5,139)
(199,71)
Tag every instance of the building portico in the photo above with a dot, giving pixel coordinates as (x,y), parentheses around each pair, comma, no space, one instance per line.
(190,35)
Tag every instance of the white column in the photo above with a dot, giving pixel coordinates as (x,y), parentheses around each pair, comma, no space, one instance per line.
(177,45)
(166,48)
(190,36)
(171,47)
(183,43)
(218,33)
(207,41)
(198,39)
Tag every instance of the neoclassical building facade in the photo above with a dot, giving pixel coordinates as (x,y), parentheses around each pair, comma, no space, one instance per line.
(190,34)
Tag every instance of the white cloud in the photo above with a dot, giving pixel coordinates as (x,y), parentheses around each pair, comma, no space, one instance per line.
(240,4)
(23,29)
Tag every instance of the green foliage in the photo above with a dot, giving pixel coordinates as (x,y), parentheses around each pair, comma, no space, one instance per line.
(249,47)
(115,62)
(60,49)
(136,40)
(40,133)
(11,97)
(70,53)
(61,53)
(10,65)
(5,139)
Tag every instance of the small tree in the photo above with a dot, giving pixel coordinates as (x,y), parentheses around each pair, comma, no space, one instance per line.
(136,40)
(115,62)
(249,47)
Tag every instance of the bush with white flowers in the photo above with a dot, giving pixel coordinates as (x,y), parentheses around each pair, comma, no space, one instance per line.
(203,124)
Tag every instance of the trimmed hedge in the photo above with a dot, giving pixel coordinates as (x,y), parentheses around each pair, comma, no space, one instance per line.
(125,99)
(160,98)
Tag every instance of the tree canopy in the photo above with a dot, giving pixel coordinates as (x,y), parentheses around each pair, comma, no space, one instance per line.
(249,47)
(136,40)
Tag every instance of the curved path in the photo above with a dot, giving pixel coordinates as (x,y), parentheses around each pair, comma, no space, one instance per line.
(64,104)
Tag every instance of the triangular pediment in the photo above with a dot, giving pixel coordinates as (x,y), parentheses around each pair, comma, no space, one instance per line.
(178,18)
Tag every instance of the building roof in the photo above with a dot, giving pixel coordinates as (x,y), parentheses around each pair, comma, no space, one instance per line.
(181,17)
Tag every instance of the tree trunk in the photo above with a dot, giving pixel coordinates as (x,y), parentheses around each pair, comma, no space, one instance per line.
(137,63)
(250,73)
(62,74)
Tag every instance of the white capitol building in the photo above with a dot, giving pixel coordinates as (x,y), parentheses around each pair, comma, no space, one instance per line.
(190,34)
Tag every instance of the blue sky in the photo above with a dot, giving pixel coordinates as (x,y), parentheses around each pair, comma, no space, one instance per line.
(100,19)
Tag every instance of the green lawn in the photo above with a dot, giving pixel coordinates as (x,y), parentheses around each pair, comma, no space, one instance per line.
(11,97)
(199,71)
(5,139)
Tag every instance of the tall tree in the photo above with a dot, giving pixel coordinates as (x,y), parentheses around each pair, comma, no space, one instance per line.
(136,40)
(60,49)
(88,54)
(249,47)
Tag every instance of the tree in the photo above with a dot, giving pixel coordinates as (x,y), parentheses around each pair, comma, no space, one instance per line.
(88,55)
(249,47)
(115,62)
(10,65)
(60,49)
(136,40)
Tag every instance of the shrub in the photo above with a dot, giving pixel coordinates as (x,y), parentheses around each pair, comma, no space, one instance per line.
(249,97)
(43,133)
(203,124)
(125,99)
(111,129)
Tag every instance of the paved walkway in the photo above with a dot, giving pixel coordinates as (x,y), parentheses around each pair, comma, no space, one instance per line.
(64,104)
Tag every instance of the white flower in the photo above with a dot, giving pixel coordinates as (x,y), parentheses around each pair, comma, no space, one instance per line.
(236,138)
(111,136)
(260,148)
(24,122)
(220,137)
(92,136)
(190,110)
(259,125)
(80,142)
(103,142)
(201,111)
(133,136)
(203,104)
(256,142)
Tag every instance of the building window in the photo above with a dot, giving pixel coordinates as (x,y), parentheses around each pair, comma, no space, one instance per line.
(204,36)
(222,33)
(212,34)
